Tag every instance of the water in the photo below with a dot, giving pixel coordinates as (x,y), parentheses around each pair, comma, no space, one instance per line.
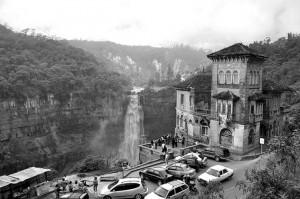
(134,129)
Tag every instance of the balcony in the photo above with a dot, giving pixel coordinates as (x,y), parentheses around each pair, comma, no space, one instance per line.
(255,118)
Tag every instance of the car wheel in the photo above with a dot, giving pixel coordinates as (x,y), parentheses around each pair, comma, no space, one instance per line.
(184,197)
(106,197)
(217,158)
(138,196)
(159,182)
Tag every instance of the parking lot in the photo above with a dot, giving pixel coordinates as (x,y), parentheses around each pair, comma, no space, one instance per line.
(230,190)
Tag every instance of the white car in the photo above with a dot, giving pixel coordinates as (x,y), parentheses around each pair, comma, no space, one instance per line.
(188,155)
(172,190)
(124,188)
(217,173)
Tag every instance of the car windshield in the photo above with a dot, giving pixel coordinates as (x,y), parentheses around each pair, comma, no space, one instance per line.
(161,192)
(112,184)
(212,172)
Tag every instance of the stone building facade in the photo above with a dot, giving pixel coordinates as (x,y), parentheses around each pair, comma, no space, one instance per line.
(243,107)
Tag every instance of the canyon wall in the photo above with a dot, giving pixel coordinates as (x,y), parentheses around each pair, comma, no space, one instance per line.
(48,135)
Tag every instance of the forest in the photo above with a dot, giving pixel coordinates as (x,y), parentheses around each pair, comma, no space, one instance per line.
(283,63)
(35,65)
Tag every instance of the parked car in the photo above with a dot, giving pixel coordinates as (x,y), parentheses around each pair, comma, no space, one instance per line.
(172,190)
(178,170)
(124,188)
(156,174)
(75,195)
(216,153)
(194,160)
(215,173)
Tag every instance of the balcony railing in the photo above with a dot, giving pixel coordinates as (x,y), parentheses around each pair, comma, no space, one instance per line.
(255,118)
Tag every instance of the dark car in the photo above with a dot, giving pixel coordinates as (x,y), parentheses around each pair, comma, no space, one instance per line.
(156,174)
(216,153)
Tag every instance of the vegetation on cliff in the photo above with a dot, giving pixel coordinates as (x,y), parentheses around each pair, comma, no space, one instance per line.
(32,65)
(283,59)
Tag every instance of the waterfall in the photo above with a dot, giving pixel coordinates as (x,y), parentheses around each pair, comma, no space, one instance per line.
(134,129)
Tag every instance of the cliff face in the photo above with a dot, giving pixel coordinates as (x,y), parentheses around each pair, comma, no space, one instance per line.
(53,136)
(159,112)
(57,103)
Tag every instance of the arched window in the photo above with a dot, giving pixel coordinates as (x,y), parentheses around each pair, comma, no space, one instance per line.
(250,78)
(228,77)
(257,77)
(226,137)
(235,77)
(221,77)
(251,137)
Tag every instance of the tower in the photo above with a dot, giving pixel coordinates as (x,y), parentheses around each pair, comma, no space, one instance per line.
(236,106)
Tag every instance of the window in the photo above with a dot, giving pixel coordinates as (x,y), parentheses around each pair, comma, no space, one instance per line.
(132,185)
(235,77)
(229,111)
(218,107)
(178,189)
(228,77)
(184,187)
(182,99)
(258,77)
(224,108)
(171,193)
(252,109)
(204,130)
(120,187)
(221,77)
(191,101)
(251,137)
(251,78)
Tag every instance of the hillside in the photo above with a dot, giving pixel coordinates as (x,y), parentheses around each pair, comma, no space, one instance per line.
(283,63)
(56,103)
(144,63)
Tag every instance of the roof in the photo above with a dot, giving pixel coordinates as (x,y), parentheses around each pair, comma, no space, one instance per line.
(257,97)
(237,49)
(29,173)
(271,86)
(4,184)
(200,82)
(218,167)
(74,195)
(9,179)
(226,95)
(172,184)
(124,180)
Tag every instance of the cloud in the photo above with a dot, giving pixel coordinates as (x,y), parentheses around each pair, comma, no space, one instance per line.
(201,23)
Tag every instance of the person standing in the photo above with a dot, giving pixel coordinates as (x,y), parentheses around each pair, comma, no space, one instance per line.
(173,142)
(95,183)
(167,158)
(183,141)
(70,186)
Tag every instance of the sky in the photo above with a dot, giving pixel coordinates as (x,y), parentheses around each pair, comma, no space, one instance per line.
(208,24)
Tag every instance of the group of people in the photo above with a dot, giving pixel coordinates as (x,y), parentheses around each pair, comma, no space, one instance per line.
(69,186)
(167,140)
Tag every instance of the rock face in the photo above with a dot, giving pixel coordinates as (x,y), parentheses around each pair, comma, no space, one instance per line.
(56,137)
(159,112)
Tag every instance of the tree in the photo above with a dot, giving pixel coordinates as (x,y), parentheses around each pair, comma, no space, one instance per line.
(280,177)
